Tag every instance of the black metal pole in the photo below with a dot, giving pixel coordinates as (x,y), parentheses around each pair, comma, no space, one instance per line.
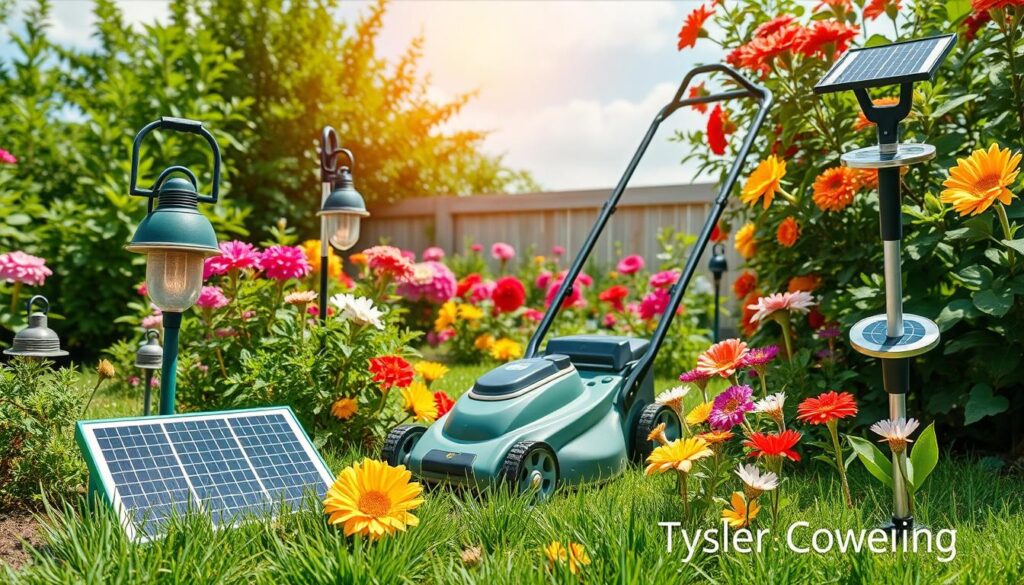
(718,297)
(147,394)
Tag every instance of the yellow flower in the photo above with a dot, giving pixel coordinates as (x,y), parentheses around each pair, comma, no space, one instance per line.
(373,499)
(679,455)
(105,370)
(699,414)
(976,182)
(357,258)
(658,434)
(764,181)
(470,312)
(419,402)
(431,371)
(312,250)
(446,316)
(484,342)
(577,558)
(555,553)
(506,349)
(539,260)
(739,515)
(745,243)
(344,408)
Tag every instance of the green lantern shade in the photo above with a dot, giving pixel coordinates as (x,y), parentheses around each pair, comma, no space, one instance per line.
(342,211)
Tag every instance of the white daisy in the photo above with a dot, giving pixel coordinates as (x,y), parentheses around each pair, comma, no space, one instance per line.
(756,482)
(359,310)
(771,405)
(896,432)
(673,398)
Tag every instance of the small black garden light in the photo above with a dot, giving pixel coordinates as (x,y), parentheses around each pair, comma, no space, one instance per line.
(37,340)
(176,240)
(718,265)
(149,358)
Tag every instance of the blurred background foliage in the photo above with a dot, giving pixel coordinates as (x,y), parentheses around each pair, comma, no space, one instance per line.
(264,77)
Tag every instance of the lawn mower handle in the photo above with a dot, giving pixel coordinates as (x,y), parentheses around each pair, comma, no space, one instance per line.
(748,89)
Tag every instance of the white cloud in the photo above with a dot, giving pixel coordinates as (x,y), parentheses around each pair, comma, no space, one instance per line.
(72,22)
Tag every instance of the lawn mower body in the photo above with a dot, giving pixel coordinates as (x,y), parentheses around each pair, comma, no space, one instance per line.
(579,411)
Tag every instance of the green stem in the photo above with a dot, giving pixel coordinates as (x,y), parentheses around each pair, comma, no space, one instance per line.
(839,463)
(14,297)
(783,320)
(1004,221)
(684,495)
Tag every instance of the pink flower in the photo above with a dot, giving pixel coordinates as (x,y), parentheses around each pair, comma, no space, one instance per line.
(665,278)
(436,339)
(477,248)
(410,255)
(7,158)
(225,332)
(730,407)
(389,262)
(543,280)
(481,291)
(433,254)
(248,315)
(142,289)
(583,279)
(630,264)
(654,304)
(533,314)
(609,320)
(211,297)
(794,302)
(20,267)
(502,251)
(431,281)
(575,298)
(284,262)
(133,380)
(154,382)
(234,255)
(558,251)
(154,321)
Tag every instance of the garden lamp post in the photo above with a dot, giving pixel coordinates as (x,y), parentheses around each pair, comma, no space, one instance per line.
(176,240)
(718,265)
(149,358)
(37,340)
(341,206)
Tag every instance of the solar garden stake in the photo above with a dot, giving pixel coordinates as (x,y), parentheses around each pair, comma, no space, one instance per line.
(176,239)
(894,337)
(37,340)
(718,265)
(341,206)
(149,358)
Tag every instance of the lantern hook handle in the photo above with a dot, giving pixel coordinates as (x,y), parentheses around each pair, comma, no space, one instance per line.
(33,300)
(177,125)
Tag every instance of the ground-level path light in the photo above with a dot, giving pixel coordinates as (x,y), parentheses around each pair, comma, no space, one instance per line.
(37,340)
(718,265)
(149,358)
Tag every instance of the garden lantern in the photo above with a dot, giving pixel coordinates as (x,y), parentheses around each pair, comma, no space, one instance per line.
(341,207)
(176,239)
(149,358)
(718,265)
(894,337)
(37,340)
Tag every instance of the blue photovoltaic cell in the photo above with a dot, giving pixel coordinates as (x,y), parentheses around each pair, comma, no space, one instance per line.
(225,465)
(876,333)
(898,62)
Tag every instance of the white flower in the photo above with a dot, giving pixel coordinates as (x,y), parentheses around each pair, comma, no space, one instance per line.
(896,432)
(359,310)
(673,398)
(771,404)
(798,302)
(756,482)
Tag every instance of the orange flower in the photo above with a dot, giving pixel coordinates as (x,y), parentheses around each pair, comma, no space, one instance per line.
(693,26)
(807,283)
(774,445)
(722,358)
(788,232)
(764,182)
(834,189)
(698,91)
(745,243)
(876,8)
(357,258)
(828,38)
(749,324)
(867,179)
(715,437)
(862,120)
(826,408)
(978,181)
(745,284)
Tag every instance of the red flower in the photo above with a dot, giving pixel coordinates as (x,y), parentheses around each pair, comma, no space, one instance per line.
(975,22)
(509,294)
(615,295)
(815,319)
(838,7)
(749,324)
(774,445)
(693,26)
(698,91)
(876,8)
(718,234)
(826,408)
(828,37)
(443,403)
(774,25)
(391,371)
(981,5)
(466,283)
(716,130)
(744,284)
(757,55)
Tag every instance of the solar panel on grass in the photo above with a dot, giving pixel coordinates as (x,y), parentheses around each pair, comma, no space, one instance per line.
(226,464)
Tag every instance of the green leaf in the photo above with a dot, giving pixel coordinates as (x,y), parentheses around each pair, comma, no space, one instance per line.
(983,402)
(17,219)
(1016,245)
(923,458)
(877,40)
(952,104)
(957,9)
(952,313)
(994,302)
(974,229)
(977,276)
(876,462)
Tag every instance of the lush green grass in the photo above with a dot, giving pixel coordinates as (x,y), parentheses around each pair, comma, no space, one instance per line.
(617,522)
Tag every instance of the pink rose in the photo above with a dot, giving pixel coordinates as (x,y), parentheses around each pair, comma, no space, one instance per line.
(502,251)
(630,264)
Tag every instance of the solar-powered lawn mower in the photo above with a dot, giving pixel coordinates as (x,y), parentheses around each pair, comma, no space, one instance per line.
(581,410)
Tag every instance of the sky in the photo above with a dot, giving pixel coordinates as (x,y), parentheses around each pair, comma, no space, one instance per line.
(566,88)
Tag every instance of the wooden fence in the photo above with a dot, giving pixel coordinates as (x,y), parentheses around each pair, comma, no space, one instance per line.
(543,220)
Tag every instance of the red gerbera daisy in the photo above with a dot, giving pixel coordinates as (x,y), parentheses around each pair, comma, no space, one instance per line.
(774,445)
(826,408)
(391,371)
(828,38)
(876,8)
(693,26)
(614,295)
(443,403)
(716,130)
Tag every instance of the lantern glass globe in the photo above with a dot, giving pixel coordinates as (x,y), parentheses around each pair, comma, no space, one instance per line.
(342,229)
(174,278)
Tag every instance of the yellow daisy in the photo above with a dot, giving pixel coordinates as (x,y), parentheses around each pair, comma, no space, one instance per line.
(745,243)
(556,553)
(741,513)
(578,558)
(764,181)
(419,401)
(470,312)
(679,455)
(699,414)
(978,181)
(446,316)
(506,349)
(431,371)
(484,342)
(373,499)
(344,408)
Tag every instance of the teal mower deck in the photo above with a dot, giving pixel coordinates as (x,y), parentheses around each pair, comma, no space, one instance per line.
(580,410)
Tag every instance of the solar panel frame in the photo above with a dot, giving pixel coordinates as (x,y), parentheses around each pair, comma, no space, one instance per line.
(124,496)
(925,72)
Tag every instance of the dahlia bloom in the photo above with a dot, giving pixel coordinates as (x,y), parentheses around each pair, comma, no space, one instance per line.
(465,284)
(7,158)
(558,251)
(312,248)
(716,130)
(788,232)
(508,295)
(574,299)
(481,291)
(834,188)
(630,264)
(744,284)
(234,255)
(723,358)
(828,38)
(284,262)
(791,302)
(730,407)
(533,314)
(664,278)
(344,408)
(388,262)
(476,248)
(502,252)
(19,267)
(654,303)
(433,254)
(211,297)
(759,357)
(431,281)
(978,181)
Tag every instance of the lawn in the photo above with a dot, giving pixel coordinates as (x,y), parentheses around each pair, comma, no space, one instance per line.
(617,522)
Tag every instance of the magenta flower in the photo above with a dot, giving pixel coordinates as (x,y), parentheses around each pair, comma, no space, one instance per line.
(477,248)
(654,303)
(142,289)
(211,297)
(7,158)
(234,255)
(558,251)
(575,298)
(583,279)
(284,262)
(759,357)
(543,279)
(409,255)
(664,279)
(481,291)
(431,281)
(609,320)
(533,314)
(154,321)
(630,264)
(25,268)
(730,407)
(828,332)
(502,251)
(433,254)
(695,376)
